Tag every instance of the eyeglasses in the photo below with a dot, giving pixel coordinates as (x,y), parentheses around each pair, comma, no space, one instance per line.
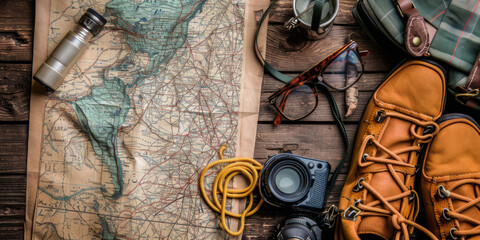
(339,71)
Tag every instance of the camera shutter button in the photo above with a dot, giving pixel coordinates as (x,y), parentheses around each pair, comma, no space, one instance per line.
(311,165)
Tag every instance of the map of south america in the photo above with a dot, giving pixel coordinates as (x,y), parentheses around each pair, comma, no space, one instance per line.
(136,120)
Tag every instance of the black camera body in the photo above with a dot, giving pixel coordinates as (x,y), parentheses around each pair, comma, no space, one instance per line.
(289,180)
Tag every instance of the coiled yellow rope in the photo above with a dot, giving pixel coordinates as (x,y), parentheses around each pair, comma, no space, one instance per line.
(249,168)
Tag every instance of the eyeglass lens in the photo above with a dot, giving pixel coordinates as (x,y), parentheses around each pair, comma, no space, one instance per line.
(300,101)
(344,70)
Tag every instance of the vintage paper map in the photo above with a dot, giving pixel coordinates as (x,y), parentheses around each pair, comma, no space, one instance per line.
(123,140)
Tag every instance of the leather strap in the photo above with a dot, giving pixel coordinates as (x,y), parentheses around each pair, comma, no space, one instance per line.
(473,81)
(341,127)
(317,16)
(419,33)
(276,74)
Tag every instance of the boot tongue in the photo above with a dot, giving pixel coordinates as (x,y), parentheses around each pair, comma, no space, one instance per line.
(395,136)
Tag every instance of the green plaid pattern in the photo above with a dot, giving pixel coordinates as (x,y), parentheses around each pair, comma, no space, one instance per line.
(457,41)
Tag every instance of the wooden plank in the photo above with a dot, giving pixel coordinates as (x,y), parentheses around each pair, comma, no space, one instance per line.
(11,231)
(322,113)
(16,30)
(12,211)
(15,82)
(319,141)
(292,52)
(282,11)
(16,41)
(12,190)
(12,221)
(13,133)
(13,158)
(12,206)
(367,84)
(13,148)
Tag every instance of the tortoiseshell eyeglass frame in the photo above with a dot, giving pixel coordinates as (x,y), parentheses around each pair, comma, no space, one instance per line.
(310,78)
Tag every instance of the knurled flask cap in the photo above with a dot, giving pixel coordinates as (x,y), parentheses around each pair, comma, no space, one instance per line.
(93,21)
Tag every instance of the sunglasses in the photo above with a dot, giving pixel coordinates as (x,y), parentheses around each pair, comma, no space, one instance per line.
(339,71)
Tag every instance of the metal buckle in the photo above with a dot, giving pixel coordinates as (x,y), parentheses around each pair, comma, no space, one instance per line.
(292,23)
(352,212)
(330,216)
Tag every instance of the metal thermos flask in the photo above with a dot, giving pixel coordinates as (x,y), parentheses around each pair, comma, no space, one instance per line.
(52,73)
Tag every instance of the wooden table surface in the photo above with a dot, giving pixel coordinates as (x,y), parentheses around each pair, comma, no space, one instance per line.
(316,136)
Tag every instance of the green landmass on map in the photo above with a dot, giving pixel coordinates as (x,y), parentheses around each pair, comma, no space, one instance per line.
(153,28)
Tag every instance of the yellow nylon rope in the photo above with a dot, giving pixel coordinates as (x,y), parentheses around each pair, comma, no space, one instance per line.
(247,167)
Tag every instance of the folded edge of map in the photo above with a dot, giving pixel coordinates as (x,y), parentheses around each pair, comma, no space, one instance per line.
(81,184)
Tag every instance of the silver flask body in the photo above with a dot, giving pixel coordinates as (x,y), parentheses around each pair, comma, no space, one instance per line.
(52,73)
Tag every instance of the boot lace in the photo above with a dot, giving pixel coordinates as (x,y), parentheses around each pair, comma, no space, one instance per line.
(393,163)
(448,214)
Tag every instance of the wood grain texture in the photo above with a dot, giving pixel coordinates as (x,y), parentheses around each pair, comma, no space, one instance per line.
(16,41)
(16,30)
(321,114)
(15,82)
(319,141)
(367,83)
(13,148)
(12,189)
(282,11)
(12,206)
(293,52)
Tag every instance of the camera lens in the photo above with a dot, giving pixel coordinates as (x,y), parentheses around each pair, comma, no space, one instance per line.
(298,227)
(287,180)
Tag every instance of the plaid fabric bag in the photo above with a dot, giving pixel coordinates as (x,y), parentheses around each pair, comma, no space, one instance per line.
(456,41)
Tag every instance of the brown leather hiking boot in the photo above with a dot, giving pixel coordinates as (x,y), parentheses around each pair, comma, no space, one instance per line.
(378,200)
(450,180)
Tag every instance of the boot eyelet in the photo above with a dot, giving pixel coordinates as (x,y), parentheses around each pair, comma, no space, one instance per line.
(364,157)
(370,142)
(380,116)
(451,233)
(412,196)
(444,211)
(359,186)
(442,192)
(429,129)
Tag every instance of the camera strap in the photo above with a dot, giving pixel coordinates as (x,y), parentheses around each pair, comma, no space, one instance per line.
(329,214)
(275,73)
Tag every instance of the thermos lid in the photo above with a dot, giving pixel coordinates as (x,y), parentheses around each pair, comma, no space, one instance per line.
(98,15)
(93,21)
